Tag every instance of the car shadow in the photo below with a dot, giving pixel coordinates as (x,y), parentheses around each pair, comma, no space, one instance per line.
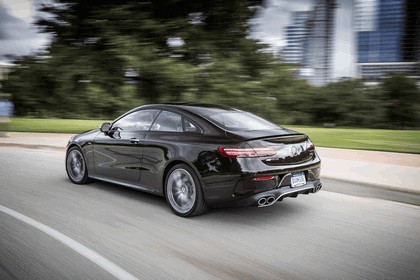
(280,212)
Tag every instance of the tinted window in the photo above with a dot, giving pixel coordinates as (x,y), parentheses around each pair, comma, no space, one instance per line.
(167,121)
(190,127)
(139,120)
(241,121)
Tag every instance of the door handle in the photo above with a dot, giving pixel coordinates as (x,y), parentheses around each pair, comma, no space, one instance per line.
(134,140)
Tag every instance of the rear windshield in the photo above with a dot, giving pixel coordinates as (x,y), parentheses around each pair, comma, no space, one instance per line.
(241,121)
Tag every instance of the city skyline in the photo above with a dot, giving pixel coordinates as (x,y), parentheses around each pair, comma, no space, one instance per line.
(267,27)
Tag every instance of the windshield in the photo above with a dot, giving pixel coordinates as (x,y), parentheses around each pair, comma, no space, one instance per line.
(241,121)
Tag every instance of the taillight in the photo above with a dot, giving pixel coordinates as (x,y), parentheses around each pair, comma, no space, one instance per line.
(309,145)
(263,178)
(265,151)
(242,152)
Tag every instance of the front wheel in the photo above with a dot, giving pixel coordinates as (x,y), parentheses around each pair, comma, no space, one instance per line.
(76,166)
(183,191)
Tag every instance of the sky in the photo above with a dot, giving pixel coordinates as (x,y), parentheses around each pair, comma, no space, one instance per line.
(18,36)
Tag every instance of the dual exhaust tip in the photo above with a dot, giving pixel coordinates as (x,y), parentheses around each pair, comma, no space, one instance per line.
(317,188)
(266,201)
(269,200)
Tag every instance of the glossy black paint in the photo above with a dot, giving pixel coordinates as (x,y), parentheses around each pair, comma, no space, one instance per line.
(141,159)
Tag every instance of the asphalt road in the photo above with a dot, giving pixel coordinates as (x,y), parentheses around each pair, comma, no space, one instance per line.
(53,229)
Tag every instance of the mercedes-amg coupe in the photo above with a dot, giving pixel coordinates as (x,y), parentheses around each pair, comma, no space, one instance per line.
(197,156)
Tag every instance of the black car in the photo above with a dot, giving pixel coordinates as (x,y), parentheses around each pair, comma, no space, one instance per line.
(197,156)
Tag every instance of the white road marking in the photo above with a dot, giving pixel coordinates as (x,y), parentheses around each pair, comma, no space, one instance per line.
(102,262)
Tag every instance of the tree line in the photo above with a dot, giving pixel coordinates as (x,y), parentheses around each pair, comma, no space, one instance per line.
(107,57)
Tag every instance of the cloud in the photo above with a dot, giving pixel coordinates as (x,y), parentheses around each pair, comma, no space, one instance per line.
(269,24)
(18,37)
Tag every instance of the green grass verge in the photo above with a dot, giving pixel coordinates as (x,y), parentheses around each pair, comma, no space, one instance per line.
(405,141)
(52,125)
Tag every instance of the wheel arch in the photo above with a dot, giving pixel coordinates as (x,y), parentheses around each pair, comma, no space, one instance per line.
(174,163)
(74,144)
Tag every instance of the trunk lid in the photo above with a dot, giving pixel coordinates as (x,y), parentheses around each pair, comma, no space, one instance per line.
(256,134)
(289,148)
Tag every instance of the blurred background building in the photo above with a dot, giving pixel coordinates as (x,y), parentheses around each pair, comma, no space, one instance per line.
(388,38)
(296,37)
(310,42)
(319,47)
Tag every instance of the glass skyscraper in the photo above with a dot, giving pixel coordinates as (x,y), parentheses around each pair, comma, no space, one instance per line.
(310,42)
(387,34)
(296,35)
(319,47)
(380,30)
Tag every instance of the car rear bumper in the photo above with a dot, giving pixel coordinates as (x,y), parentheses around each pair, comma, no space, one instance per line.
(268,198)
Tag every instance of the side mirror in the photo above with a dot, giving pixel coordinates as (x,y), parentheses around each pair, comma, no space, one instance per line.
(105,127)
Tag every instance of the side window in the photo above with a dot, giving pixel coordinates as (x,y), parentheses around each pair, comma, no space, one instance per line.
(190,127)
(168,121)
(138,120)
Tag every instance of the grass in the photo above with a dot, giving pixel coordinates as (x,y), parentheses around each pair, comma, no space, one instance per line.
(404,141)
(52,125)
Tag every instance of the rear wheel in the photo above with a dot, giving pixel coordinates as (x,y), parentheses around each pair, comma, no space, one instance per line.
(76,166)
(183,191)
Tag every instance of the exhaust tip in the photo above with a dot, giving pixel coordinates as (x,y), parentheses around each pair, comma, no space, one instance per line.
(270,200)
(318,187)
(262,201)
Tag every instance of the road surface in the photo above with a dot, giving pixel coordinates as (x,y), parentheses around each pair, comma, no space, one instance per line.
(53,229)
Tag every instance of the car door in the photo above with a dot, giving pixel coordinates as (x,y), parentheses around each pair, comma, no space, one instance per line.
(118,153)
(169,137)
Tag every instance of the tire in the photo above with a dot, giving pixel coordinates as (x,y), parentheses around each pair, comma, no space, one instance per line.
(76,166)
(183,191)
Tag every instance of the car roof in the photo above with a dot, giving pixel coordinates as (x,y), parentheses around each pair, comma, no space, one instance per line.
(200,109)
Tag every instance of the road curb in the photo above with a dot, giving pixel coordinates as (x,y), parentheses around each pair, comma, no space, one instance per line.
(373,185)
(30,146)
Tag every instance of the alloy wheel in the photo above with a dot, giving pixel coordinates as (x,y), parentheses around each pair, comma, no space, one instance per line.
(181,190)
(76,165)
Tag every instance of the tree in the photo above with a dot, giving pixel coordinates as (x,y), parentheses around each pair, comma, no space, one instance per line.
(347,103)
(402,99)
(96,43)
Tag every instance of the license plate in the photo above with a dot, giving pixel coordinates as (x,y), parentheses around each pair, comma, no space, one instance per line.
(298,179)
